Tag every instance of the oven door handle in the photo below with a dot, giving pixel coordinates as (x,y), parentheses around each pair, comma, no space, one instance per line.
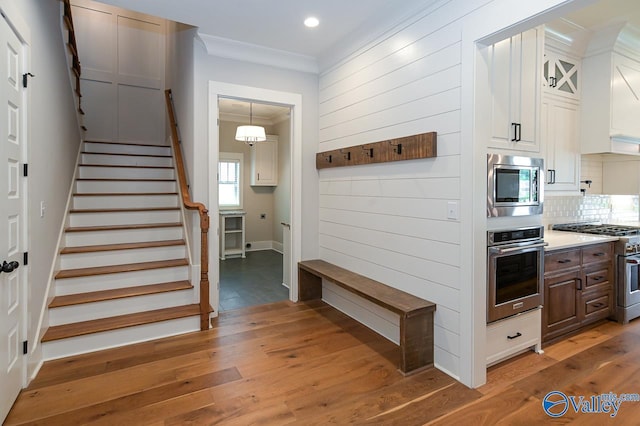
(500,250)
(633,261)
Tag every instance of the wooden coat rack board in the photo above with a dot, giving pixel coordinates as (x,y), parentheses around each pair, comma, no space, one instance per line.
(407,148)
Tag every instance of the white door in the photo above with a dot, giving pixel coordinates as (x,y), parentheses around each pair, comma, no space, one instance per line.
(11,218)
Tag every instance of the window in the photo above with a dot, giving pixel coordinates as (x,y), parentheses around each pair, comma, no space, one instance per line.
(230,180)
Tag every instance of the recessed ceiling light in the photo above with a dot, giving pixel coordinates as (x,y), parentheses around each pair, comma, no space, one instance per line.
(311,22)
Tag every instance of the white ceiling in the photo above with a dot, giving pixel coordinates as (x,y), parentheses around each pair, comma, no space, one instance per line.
(274,24)
(263,114)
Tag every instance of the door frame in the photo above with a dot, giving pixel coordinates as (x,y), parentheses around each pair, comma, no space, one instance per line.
(294,100)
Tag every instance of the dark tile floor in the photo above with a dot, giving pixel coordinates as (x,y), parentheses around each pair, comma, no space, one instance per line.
(256,280)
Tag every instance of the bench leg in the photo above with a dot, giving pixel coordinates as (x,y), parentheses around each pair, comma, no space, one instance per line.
(309,285)
(416,342)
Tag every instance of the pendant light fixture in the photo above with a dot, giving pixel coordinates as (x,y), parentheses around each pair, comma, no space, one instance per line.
(250,134)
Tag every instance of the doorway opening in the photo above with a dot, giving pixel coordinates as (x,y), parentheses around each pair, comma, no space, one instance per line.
(254,199)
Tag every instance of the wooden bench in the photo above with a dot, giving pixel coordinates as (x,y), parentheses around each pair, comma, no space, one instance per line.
(416,314)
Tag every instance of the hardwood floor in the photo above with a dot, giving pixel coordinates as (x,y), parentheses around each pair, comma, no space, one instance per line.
(309,364)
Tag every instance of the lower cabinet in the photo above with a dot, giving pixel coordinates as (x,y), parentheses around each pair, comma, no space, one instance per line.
(578,288)
(512,335)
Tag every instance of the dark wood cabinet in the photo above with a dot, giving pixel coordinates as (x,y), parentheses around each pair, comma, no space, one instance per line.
(578,288)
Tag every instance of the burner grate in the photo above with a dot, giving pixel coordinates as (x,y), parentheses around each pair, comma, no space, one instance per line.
(599,229)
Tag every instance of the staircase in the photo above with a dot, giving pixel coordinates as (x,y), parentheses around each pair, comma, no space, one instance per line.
(123,269)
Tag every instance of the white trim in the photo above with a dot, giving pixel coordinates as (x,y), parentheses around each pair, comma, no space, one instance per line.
(220,89)
(233,49)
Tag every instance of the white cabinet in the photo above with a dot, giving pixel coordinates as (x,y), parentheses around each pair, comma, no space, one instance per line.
(559,126)
(561,74)
(232,234)
(514,78)
(513,335)
(611,105)
(264,162)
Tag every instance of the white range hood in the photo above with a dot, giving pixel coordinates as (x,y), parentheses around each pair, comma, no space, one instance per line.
(610,119)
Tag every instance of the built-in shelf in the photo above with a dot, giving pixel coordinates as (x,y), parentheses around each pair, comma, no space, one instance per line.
(232,240)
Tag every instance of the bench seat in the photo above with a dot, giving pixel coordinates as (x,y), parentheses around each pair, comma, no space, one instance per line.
(416,314)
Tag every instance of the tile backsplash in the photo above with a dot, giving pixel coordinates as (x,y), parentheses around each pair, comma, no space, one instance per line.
(591,208)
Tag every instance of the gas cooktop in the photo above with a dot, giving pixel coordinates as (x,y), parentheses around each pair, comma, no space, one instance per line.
(600,229)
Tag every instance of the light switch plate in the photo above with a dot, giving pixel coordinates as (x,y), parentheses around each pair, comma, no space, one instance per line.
(453,210)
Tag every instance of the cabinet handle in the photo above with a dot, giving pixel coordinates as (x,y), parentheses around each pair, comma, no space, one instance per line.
(600,278)
(598,305)
(564,261)
(579,283)
(519,129)
(552,176)
(553,82)
(599,254)
(515,132)
(515,336)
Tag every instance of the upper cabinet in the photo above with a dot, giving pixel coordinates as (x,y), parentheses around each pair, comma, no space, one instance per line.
(514,79)
(561,75)
(611,105)
(264,162)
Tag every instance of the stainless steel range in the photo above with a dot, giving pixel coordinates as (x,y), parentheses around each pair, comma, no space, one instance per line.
(627,268)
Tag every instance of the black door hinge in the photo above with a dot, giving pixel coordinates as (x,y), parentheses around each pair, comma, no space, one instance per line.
(25,170)
(25,78)
(25,258)
(25,347)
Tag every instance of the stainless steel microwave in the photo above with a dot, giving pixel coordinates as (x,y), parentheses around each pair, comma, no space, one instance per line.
(513,185)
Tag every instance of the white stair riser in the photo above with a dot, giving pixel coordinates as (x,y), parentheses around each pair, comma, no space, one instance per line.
(118,257)
(124,173)
(124,201)
(125,149)
(125,160)
(115,338)
(74,239)
(90,187)
(124,306)
(123,218)
(67,286)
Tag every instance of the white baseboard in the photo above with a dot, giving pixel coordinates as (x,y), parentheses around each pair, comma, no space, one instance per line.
(265,245)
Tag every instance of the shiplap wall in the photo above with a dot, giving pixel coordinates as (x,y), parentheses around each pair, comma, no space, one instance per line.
(389,221)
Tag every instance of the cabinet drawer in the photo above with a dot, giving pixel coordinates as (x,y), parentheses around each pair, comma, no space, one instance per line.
(597,253)
(512,335)
(597,278)
(555,261)
(597,306)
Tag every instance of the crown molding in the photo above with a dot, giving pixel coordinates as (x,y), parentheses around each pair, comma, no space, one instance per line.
(247,52)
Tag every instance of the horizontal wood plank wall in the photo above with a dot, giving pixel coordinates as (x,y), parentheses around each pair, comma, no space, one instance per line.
(389,221)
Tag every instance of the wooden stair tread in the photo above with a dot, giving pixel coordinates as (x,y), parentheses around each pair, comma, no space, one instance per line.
(115,269)
(125,166)
(123,246)
(127,155)
(141,209)
(123,227)
(126,143)
(123,180)
(117,194)
(58,332)
(118,293)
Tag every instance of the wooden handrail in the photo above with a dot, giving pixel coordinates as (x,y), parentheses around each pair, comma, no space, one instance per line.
(73,47)
(202,211)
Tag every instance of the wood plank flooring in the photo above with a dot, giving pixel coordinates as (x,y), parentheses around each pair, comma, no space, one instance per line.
(309,364)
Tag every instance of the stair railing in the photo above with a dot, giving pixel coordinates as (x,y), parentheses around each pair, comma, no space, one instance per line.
(202,211)
(75,59)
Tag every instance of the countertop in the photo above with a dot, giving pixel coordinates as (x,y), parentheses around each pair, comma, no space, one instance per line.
(561,239)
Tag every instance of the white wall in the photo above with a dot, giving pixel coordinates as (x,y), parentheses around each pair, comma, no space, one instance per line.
(282,193)
(388,221)
(53,148)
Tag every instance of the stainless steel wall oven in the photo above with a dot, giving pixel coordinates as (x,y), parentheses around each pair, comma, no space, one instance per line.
(515,269)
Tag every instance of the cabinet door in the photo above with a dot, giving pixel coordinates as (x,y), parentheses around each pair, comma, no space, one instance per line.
(625,102)
(559,133)
(264,163)
(561,75)
(515,92)
(561,310)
